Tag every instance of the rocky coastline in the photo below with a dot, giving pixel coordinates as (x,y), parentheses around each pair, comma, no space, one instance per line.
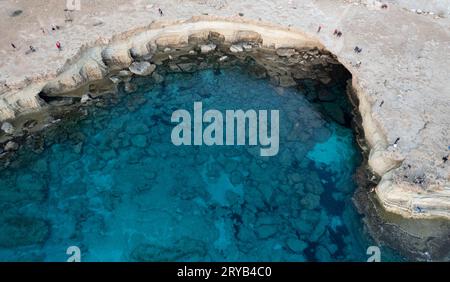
(410,183)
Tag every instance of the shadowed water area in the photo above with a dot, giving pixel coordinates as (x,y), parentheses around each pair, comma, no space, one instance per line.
(112,183)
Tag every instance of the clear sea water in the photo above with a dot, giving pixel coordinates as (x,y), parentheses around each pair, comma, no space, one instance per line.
(113,184)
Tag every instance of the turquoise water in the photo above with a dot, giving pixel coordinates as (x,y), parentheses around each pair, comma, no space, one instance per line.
(113,184)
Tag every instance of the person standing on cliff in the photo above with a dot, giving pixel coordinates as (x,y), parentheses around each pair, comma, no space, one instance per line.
(58,45)
(160,12)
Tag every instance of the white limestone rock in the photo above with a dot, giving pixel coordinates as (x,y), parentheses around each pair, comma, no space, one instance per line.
(7,128)
(207,48)
(236,48)
(85,98)
(286,52)
(142,68)
(11,146)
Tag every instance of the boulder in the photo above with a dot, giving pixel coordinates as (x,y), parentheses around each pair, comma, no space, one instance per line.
(85,98)
(236,48)
(207,48)
(285,52)
(142,68)
(11,146)
(223,58)
(7,128)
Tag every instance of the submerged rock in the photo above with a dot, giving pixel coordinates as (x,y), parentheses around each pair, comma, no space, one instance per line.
(322,254)
(326,96)
(22,231)
(187,67)
(130,87)
(296,245)
(311,201)
(236,177)
(142,68)
(139,141)
(157,77)
(266,231)
(181,250)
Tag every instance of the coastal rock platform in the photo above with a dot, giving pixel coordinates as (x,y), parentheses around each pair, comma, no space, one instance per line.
(400,77)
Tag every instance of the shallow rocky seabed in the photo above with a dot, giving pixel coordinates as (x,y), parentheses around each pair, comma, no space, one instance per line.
(111,182)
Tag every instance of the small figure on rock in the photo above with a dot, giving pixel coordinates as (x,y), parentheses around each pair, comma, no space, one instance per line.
(58,45)
(396,141)
(357,49)
(381,104)
(31,50)
(160,12)
(14,46)
(445,159)
(319,28)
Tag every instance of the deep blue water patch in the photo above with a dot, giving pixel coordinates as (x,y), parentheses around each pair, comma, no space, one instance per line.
(113,184)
